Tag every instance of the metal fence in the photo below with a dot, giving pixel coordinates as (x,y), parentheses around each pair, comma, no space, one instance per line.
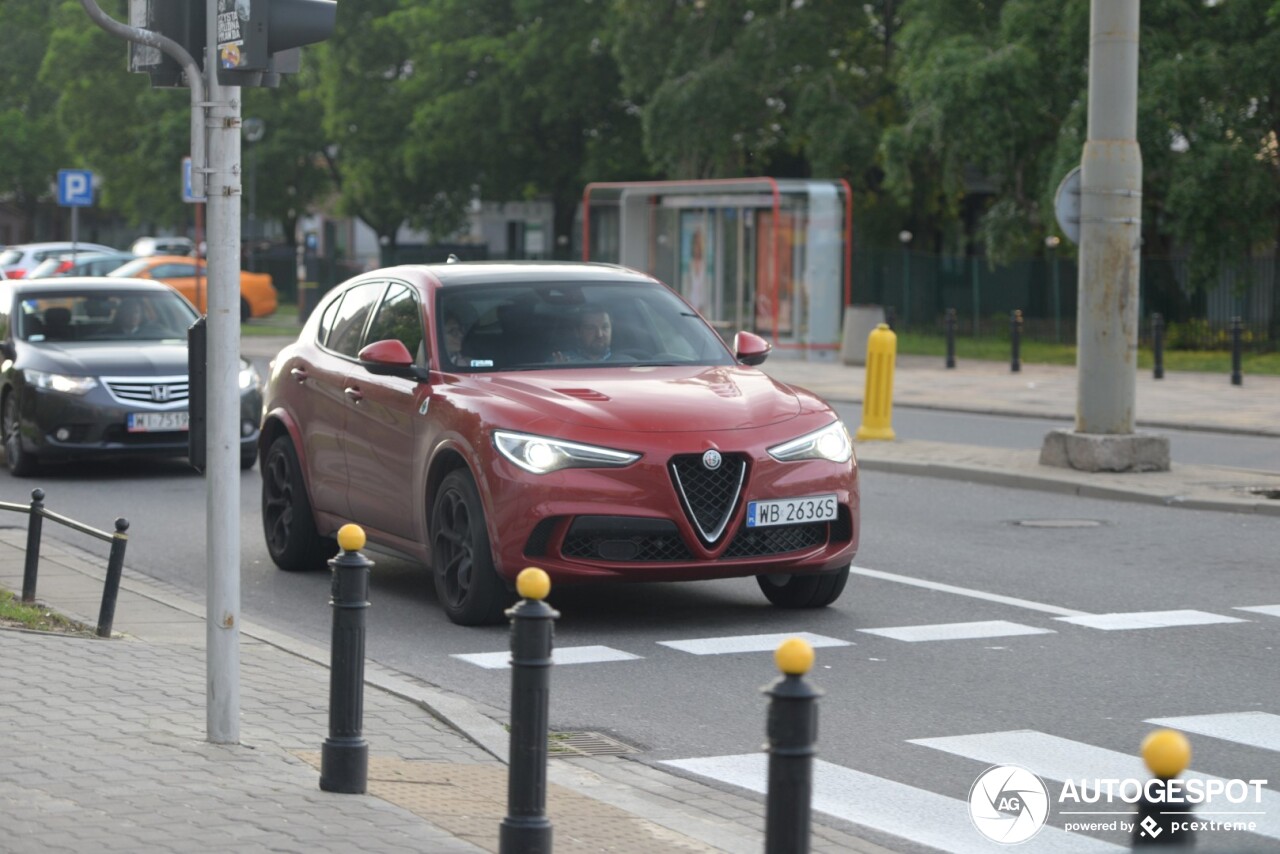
(919,287)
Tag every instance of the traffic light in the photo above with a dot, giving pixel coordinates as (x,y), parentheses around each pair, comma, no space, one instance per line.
(258,40)
(181,20)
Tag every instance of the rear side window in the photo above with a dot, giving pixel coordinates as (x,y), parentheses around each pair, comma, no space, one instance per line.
(348,322)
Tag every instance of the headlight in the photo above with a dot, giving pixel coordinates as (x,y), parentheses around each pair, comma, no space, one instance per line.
(539,454)
(61,382)
(248,375)
(830,443)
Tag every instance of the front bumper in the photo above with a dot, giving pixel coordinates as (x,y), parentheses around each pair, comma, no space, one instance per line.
(58,426)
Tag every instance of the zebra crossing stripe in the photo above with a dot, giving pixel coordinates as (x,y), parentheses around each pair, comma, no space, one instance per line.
(1269,610)
(1062,759)
(1255,729)
(884,805)
(748,643)
(559,655)
(957,631)
(1148,620)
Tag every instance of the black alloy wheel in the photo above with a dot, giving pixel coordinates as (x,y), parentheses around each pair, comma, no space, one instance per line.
(21,463)
(287,523)
(467,584)
(817,590)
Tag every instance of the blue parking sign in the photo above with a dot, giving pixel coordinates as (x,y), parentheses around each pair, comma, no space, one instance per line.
(75,188)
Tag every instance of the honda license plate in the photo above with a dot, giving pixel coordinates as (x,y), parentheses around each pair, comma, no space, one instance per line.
(791,511)
(159,422)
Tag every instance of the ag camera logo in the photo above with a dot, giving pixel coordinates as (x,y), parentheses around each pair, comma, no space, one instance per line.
(1008,804)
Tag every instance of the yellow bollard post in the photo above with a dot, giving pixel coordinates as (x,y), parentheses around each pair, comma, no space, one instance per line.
(877,401)
(1162,808)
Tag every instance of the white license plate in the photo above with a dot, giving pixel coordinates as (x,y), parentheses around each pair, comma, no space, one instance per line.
(791,511)
(159,422)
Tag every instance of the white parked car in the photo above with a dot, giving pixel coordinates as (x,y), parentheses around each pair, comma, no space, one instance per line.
(17,261)
(173,245)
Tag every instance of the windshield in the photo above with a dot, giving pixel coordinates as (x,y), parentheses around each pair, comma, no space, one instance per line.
(63,316)
(538,325)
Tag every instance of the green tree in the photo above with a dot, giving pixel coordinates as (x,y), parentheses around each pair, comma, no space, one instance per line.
(516,100)
(30,145)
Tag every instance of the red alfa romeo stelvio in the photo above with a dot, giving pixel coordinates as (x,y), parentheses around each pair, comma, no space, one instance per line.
(582,418)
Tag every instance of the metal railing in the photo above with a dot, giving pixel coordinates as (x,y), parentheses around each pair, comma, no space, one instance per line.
(37,513)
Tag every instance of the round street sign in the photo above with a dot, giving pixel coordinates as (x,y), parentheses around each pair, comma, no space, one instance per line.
(1066,205)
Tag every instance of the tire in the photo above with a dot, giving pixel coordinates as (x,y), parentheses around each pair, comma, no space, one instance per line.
(245,311)
(247,460)
(20,462)
(287,523)
(804,591)
(467,585)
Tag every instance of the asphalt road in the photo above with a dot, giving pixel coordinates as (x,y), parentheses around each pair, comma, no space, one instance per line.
(935,554)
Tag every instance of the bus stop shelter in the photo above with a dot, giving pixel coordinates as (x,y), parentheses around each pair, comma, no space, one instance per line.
(766,255)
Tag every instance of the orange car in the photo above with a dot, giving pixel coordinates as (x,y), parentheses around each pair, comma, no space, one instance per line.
(257,294)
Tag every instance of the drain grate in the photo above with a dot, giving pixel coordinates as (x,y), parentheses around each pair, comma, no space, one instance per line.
(586,744)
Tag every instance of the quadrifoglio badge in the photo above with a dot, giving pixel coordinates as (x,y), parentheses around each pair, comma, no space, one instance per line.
(1009,804)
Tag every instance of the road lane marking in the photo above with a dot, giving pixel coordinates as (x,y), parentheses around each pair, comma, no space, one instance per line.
(748,643)
(1254,729)
(1269,610)
(1149,620)
(1062,759)
(559,655)
(957,631)
(965,591)
(884,805)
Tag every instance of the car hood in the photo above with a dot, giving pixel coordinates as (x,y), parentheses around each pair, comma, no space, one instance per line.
(652,399)
(118,358)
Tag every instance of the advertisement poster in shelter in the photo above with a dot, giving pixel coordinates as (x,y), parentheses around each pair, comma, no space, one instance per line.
(774,285)
(697,260)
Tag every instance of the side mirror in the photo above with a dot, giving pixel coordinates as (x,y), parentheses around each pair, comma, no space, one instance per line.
(389,358)
(8,350)
(750,348)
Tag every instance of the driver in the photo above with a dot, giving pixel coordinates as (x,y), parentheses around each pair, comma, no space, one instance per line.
(593,333)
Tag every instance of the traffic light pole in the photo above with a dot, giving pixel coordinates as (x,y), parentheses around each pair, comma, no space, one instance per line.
(222,473)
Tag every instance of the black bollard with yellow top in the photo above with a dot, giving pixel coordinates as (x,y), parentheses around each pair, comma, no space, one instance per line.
(1167,754)
(344,758)
(877,400)
(792,730)
(526,828)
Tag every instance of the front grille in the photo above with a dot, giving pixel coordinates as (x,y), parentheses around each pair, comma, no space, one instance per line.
(153,390)
(708,495)
(625,539)
(756,542)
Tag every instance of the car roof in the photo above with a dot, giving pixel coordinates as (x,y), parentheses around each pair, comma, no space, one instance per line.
(462,273)
(56,244)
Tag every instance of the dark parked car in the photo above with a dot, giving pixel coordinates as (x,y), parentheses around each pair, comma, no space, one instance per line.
(98,368)
(582,418)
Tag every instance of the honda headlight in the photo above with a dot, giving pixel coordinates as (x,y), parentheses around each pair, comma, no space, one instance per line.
(61,382)
(830,443)
(540,454)
(248,375)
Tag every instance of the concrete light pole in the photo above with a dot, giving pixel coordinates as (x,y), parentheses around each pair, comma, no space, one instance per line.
(1110,236)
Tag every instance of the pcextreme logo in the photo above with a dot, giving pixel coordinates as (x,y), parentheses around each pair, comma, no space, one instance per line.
(1008,804)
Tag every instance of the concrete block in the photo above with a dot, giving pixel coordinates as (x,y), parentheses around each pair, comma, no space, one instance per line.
(1130,452)
(859,322)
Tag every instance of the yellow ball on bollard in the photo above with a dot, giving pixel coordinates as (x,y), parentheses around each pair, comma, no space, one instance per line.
(351,538)
(1166,752)
(533,583)
(794,656)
